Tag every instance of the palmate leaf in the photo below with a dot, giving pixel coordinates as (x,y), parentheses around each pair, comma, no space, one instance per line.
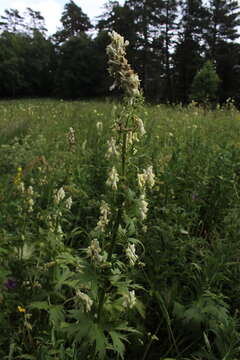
(56,314)
(117,344)
(97,338)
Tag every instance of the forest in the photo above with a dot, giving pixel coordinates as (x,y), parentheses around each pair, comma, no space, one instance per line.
(169,43)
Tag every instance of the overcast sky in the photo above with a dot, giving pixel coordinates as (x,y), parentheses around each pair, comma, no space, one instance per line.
(52,9)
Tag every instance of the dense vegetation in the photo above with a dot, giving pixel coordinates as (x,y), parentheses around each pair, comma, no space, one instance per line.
(187,292)
(170,41)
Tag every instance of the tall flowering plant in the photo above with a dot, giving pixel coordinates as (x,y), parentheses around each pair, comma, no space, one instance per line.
(106,292)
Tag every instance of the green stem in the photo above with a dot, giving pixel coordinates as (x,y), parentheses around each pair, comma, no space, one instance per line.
(116,224)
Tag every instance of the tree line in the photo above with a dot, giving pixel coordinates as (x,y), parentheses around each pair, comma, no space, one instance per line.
(169,43)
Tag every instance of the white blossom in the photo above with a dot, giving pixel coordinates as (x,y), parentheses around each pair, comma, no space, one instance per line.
(143,207)
(71,136)
(140,126)
(119,68)
(131,254)
(30,205)
(94,252)
(104,217)
(112,149)
(129,300)
(59,195)
(21,187)
(68,203)
(147,177)
(99,126)
(150,176)
(86,300)
(113,178)
(30,191)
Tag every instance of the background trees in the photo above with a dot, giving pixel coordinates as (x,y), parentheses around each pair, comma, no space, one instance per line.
(170,40)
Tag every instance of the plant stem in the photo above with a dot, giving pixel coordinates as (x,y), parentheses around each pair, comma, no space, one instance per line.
(117,221)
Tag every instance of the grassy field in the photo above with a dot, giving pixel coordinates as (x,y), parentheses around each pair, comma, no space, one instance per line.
(71,286)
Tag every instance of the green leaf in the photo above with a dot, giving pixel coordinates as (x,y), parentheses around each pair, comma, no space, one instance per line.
(140,308)
(96,335)
(40,305)
(26,357)
(118,345)
(56,314)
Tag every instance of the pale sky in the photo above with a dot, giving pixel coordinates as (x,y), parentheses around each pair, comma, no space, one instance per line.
(51,9)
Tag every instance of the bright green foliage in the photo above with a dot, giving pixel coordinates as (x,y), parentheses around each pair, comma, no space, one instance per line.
(205,84)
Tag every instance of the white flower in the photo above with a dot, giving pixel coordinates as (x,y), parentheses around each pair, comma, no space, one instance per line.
(104,217)
(113,178)
(150,176)
(143,207)
(131,254)
(129,139)
(119,68)
(140,126)
(141,180)
(112,149)
(30,205)
(71,136)
(99,126)
(129,300)
(86,299)
(30,191)
(93,251)
(60,195)
(69,203)
(147,177)
(21,187)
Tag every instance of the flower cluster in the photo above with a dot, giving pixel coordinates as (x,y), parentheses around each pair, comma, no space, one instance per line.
(129,300)
(94,252)
(71,138)
(59,196)
(104,217)
(146,178)
(131,254)
(99,126)
(113,178)
(112,149)
(85,299)
(119,68)
(143,207)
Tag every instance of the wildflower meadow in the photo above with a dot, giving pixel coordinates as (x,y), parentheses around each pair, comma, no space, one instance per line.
(119,227)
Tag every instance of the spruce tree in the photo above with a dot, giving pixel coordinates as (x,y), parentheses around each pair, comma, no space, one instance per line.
(223,22)
(188,53)
(205,84)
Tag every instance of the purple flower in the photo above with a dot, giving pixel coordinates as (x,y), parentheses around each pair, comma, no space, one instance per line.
(10,284)
(194,196)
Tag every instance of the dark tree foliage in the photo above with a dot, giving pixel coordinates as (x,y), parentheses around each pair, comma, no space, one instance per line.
(188,56)
(170,40)
(78,68)
(222,24)
(74,22)
(11,21)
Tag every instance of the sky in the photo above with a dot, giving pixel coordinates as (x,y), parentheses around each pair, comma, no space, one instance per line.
(52,9)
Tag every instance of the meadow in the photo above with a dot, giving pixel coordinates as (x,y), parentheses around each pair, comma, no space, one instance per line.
(88,271)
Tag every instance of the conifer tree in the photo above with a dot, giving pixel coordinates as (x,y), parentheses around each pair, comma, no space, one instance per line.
(205,84)
(223,22)
(188,53)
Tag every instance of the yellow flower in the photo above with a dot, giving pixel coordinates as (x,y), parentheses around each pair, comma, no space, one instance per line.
(21,309)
